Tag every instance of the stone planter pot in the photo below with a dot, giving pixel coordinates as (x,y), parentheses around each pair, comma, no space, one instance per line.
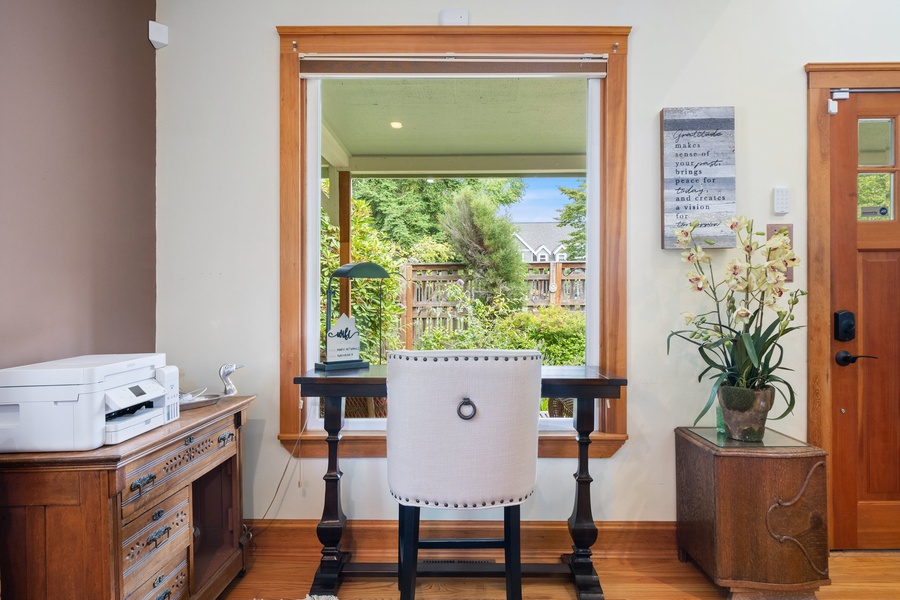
(744,411)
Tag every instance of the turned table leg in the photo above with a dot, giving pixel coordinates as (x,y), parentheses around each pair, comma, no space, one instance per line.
(581,523)
(331,526)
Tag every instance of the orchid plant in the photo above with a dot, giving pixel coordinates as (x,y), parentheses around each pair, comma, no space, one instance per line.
(739,338)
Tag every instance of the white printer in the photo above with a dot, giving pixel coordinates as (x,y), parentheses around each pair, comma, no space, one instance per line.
(83,402)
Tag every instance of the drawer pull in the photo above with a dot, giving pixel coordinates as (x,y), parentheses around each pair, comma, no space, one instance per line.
(158,515)
(189,440)
(156,535)
(159,580)
(165,595)
(143,481)
(225,438)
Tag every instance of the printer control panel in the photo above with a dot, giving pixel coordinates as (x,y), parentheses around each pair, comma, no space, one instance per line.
(134,396)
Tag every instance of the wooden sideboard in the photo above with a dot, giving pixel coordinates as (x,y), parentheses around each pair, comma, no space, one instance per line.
(155,517)
(753,515)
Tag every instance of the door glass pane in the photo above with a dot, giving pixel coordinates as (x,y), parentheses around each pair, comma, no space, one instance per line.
(875,196)
(876,147)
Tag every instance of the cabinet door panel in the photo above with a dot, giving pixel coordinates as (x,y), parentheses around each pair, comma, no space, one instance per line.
(57,549)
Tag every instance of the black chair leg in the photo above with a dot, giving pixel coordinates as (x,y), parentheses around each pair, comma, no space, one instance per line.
(401,527)
(512,550)
(408,550)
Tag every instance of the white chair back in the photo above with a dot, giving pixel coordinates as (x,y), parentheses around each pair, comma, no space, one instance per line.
(445,452)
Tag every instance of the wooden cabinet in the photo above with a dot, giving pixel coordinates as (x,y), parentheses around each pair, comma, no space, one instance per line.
(753,515)
(156,517)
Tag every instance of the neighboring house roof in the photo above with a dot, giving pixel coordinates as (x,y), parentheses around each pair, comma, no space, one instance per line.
(547,235)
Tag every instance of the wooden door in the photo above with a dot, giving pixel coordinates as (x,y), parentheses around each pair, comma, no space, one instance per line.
(865,280)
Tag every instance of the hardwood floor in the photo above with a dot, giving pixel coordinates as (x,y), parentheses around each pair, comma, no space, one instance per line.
(854,576)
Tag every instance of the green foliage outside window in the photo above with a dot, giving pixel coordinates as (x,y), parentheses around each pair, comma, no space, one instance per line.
(574,214)
(558,333)
(372,301)
(453,220)
(429,250)
(409,210)
(874,189)
(487,244)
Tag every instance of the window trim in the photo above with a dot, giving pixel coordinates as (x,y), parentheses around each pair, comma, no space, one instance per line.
(294,144)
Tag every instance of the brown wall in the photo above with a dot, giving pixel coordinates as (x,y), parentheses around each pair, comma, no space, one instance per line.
(77,179)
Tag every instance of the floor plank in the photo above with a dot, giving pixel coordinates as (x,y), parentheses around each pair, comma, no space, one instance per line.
(854,576)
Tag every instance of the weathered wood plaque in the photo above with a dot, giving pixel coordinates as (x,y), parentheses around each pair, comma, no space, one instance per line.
(698,173)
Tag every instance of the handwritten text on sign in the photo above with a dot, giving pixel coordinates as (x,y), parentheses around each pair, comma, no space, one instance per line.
(698,173)
(342,340)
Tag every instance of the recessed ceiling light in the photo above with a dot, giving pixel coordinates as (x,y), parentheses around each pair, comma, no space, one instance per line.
(396,124)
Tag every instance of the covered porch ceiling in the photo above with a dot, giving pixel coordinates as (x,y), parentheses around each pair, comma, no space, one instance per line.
(500,127)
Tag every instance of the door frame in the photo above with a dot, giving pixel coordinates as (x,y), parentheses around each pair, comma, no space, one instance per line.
(821,79)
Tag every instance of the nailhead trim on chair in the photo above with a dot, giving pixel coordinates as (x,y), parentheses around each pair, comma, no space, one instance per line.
(465,505)
(474,358)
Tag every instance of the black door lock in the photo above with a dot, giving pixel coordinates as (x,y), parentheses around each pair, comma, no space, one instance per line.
(844,326)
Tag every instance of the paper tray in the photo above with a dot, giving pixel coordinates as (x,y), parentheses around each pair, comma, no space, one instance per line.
(200,401)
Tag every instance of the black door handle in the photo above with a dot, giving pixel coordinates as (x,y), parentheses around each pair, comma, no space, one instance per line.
(844,358)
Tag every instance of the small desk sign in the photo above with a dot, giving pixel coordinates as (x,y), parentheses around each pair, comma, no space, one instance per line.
(698,173)
(342,343)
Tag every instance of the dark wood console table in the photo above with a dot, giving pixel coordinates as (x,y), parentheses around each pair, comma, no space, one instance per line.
(585,384)
(753,515)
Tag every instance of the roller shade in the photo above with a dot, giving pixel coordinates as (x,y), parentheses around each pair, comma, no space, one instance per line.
(449,65)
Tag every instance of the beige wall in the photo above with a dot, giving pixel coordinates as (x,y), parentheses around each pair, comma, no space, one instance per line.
(218,182)
(77,179)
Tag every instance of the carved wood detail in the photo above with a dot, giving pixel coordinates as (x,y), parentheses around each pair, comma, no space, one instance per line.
(815,519)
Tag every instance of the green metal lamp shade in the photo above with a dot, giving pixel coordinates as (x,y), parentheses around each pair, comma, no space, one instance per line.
(360,270)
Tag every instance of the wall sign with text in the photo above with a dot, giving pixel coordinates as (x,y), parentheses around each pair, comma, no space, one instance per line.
(698,173)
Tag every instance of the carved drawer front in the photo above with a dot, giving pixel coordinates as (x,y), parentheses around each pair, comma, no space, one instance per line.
(155,538)
(150,479)
(169,582)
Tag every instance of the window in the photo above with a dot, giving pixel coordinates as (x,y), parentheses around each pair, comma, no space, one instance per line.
(875,180)
(299,307)
(462,130)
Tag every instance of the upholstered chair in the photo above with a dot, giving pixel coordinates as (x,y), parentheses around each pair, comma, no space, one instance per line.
(462,433)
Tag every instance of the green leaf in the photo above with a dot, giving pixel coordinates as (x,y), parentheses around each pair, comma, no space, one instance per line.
(712,397)
(751,348)
(790,398)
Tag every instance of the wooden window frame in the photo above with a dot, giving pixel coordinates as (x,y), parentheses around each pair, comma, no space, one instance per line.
(612,41)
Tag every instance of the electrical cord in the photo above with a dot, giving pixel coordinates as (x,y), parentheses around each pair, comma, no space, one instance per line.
(302,422)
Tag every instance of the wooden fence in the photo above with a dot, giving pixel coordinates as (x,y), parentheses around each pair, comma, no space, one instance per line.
(428,304)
